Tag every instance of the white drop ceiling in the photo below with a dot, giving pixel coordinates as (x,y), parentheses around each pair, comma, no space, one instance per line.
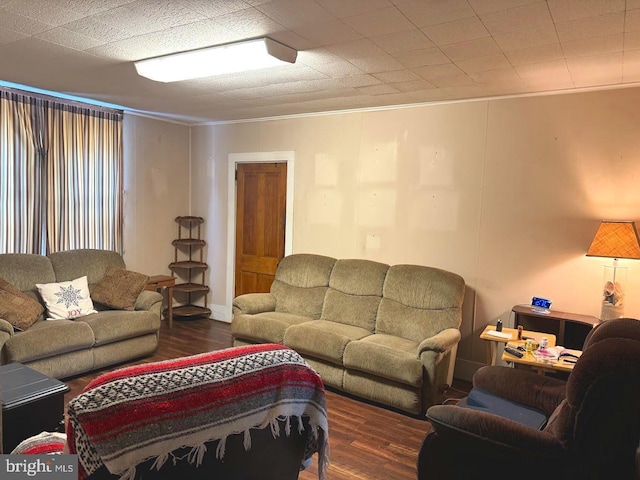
(352,53)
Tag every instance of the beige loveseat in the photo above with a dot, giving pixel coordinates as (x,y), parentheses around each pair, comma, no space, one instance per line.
(384,333)
(64,348)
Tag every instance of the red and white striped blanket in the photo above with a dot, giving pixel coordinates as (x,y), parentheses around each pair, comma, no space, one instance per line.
(147,411)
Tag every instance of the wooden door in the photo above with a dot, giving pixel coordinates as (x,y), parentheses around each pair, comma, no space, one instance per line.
(260,224)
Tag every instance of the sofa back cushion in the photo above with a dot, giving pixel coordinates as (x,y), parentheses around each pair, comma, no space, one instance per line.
(24,270)
(74,264)
(355,290)
(301,282)
(418,302)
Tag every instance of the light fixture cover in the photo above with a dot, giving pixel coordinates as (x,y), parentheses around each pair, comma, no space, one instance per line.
(218,60)
(616,240)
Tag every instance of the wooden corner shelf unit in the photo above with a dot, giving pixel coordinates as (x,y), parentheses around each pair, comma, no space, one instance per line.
(190,269)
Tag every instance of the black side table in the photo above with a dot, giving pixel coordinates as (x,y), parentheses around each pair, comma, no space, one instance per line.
(31,403)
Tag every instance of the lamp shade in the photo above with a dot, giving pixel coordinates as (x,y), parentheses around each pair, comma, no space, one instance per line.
(615,240)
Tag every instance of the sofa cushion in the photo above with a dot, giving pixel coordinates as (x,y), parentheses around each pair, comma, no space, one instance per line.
(322,339)
(385,356)
(77,263)
(18,308)
(418,302)
(300,284)
(66,299)
(47,339)
(111,326)
(119,288)
(267,327)
(355,290)
(24,270)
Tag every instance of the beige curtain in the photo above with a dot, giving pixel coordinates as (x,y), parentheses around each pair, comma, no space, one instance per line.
(60,176)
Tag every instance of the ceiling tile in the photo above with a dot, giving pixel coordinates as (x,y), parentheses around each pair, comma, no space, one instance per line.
(631,66)
(377,90)
(503,76)
(539,54)
(593,46)
(489,6)
(46,11)
(292,13)
(547,74)
(591,27)
(482,47)
(460,80)
(564,10)
(596,69)
(457,31)
(342,8)
(379,22)
(406,41)
(21,24)
(632,41)
(69,39)
(433,72)
(396,76)
(527,38)
(413,85)
(483,64)
(527,16)
(97,30)
(10,36)
(327,33)
(248,23)
(432,12)
(213,8)
(423,57)
(356,49)
(359,81)
(379,63)
(338,69)
(632,20)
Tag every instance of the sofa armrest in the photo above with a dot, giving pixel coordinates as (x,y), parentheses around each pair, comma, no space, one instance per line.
(251,303)
(149,300)
(6,332)
(441,342)
(521,386)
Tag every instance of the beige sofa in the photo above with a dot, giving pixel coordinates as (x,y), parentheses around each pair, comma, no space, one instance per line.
(384,333)
(64,348)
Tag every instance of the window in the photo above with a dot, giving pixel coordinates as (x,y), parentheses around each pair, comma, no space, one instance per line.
(60,175)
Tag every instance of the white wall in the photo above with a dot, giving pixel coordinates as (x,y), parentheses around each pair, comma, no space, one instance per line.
(507,193)
(156,190)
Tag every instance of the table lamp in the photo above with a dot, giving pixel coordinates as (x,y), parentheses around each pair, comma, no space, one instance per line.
(615,240)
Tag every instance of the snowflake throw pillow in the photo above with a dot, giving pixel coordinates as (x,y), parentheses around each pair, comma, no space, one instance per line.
(66,299)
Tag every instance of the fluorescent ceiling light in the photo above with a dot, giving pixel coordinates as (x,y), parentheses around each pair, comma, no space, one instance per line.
(206,62)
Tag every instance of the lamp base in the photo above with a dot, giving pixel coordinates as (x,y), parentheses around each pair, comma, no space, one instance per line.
(609,311)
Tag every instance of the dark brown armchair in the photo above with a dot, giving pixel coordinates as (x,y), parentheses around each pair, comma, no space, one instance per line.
(593,429)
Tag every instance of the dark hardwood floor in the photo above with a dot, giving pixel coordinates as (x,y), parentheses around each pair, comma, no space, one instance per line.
(366,441)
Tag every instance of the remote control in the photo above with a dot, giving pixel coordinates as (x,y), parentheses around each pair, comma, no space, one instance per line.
(514,352)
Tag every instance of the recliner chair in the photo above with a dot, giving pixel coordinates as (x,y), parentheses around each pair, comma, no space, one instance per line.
(593,428)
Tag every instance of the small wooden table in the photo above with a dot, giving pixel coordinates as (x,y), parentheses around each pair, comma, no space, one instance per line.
(492,341)
(562,365)
(157,283)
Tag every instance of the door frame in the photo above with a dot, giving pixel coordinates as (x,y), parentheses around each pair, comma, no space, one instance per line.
(254,157)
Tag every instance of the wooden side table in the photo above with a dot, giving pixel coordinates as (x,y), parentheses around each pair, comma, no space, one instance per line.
(492,341)
(157,283)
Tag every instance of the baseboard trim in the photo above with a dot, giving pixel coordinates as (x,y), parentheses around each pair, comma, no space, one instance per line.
(465,369)
(221,313)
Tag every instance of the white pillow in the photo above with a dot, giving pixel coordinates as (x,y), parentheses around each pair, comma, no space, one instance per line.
(67,299)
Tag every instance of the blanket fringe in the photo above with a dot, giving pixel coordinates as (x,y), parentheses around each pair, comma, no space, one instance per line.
(247,439)
(196,455)
(129,474)
(220,449)
(159,461)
